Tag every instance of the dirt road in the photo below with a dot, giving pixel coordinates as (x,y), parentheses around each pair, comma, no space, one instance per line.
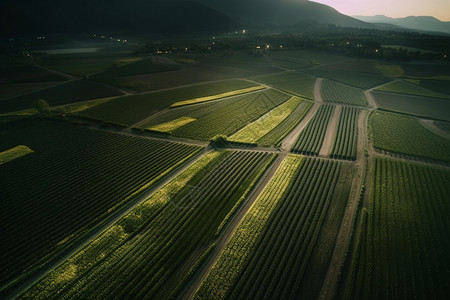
(331,132)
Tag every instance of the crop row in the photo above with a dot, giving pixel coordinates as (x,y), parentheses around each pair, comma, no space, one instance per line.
(130,110)
(276,135)
(74,178)
(347,134)
(311,138)
(335,92)
(282,249)
(257,129)
(402,248)
(238,251)
(159,254)
(223,117)
(404,134)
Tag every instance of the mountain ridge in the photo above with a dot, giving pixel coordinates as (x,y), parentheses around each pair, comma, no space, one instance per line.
(419,23)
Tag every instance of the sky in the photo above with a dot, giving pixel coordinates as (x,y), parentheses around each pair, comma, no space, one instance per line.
(439,9)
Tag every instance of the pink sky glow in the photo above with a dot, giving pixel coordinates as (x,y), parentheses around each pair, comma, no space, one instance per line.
(392,8)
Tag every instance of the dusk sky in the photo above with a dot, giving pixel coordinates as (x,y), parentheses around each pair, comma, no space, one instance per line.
(392,8)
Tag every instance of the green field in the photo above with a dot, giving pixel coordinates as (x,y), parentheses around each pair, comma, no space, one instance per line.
(403,134)
(402,245)
(299,59)
(129,110)
(74,178)
(335,92)
(292,82)
(217,97)
(14,153)
(282,248)
(259,128)
(444,126)
(222,117)
(440,86)
(14,90)
(311,138)
(356,79)
(419,106)
(403,87)
(347,134)
(276,135)
(390,70)
(74,91)
(153,251)
(143,66)
(27,73)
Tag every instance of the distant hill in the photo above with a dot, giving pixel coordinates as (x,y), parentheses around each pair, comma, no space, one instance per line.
(286,12)
(423,23)
(89,16)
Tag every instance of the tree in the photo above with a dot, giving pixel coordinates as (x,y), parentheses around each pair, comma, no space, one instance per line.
(42,107)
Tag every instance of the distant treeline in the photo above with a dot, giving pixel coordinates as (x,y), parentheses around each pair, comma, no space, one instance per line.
(333,39)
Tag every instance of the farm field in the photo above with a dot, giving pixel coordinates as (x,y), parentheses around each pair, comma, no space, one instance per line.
(292,82)
(335,92)
(223,117)
(254,131)
(13,90)
(347,134)
(74,178)
(402,245)
(299,59)
(25,72)
(403,87)
(444,126)
(439,86)
(218,96)
(303,191)
(156,256)
(220,68)
(84,64)
(359,79)
(311,138)
(419,106)
(144,66)
(404,139)
(129,110)
(260,163)
(70,92)
(276,135)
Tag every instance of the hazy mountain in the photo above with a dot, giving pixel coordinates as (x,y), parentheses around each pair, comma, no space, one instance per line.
(423,23)
(283,12)
(70,16)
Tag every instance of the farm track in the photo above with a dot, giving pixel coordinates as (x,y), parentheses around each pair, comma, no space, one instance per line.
(230,228)
(98,229)
(345,232)
(331,132)
(370,99)
(292,137)
(317,93)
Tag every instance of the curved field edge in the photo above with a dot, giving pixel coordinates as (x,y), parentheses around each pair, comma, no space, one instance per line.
(216,285)
(14,153)
(399,133)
